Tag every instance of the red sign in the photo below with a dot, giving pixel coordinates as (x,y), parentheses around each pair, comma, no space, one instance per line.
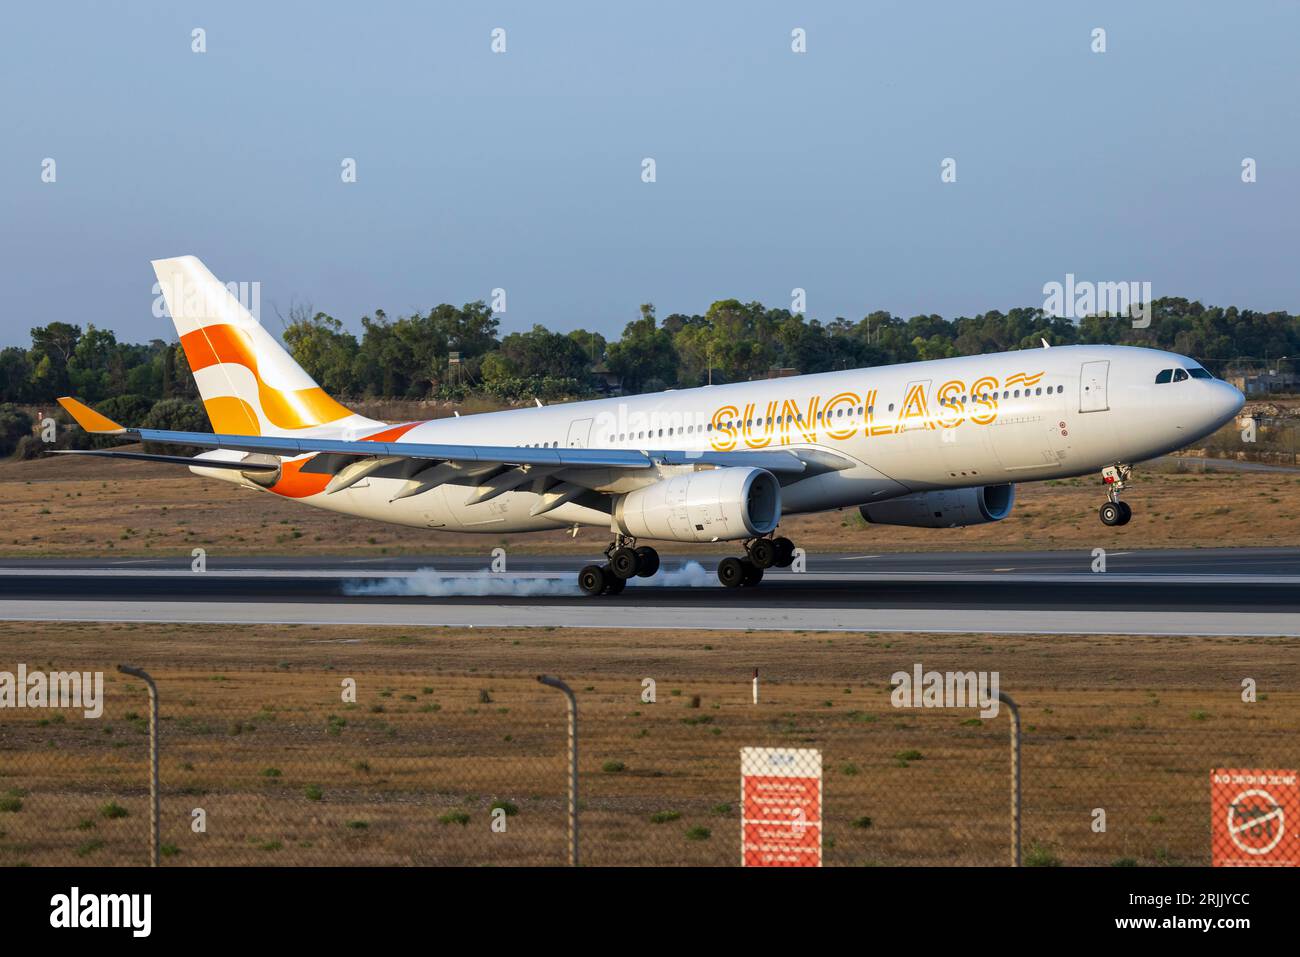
(781,807)
(1255,818)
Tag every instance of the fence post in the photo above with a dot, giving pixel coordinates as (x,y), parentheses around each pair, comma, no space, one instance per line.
(1015,777)
(153,757)
(573,763)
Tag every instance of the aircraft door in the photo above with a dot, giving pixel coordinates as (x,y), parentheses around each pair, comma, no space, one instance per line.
(1092,386)
(579,434)
(920,441)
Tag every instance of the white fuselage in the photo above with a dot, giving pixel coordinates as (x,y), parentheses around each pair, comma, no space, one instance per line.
(949,423)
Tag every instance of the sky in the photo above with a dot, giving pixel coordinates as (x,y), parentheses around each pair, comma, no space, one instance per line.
(523,170)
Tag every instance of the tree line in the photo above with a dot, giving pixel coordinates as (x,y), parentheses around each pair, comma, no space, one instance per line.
(411,356)
(733,341)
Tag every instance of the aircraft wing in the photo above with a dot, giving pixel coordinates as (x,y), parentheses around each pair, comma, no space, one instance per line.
(425,465)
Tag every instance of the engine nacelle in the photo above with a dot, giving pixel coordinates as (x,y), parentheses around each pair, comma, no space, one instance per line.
(950,508)
(705,506)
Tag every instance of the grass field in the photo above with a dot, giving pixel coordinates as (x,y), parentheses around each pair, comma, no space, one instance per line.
(83,507)
(449,723)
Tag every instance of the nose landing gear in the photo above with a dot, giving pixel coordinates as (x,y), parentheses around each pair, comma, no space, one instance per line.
(1114,512)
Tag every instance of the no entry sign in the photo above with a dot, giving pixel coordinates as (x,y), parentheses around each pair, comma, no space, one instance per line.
(1255,818)
(780,807)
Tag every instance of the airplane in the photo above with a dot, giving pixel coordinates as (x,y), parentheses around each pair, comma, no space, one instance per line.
(936,444)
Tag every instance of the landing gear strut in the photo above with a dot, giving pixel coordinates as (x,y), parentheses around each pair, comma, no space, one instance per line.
(625,560)
(1114,512)
(760,554)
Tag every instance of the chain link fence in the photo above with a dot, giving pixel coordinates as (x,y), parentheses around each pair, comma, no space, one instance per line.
(292,767)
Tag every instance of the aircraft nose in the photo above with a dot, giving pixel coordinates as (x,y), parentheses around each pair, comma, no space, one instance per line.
(1226,401)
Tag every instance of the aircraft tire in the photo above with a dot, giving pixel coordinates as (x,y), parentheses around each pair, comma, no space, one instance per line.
(647,562)
(731,572)
(592,580)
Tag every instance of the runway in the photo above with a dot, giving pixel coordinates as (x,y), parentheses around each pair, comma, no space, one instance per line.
(1249,592)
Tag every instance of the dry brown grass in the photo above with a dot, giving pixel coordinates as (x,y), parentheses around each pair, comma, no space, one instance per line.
(1133,725)
(84,507)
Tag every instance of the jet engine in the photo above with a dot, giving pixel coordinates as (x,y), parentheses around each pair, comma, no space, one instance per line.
(950,508)
(705,506)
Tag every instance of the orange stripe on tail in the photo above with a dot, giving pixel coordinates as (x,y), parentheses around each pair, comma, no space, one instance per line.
(283,408)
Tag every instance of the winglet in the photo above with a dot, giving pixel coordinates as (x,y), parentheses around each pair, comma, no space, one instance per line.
(89,419)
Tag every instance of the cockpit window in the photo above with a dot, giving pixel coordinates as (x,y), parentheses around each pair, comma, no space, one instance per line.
(1180,375)
(1197,372)
(1163,376)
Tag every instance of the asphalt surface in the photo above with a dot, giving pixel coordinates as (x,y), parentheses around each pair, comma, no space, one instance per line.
(1165,562)
(1192,592)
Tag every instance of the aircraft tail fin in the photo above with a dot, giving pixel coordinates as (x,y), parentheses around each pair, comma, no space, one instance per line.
(249,383)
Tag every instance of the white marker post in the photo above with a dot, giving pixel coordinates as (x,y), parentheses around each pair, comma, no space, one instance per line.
(755,686)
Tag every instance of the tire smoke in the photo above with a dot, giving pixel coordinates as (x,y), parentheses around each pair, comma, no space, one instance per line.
(430,583)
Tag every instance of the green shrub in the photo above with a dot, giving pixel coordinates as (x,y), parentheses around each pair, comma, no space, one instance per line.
(175,415)
(15,425)
(1040,856)
(127,409)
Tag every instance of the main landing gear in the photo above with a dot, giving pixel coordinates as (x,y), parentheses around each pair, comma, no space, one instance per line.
(760,554)
(625,560)
(1114,512)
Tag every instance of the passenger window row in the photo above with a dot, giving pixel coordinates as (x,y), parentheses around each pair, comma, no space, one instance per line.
(823,417)
(1006,394)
